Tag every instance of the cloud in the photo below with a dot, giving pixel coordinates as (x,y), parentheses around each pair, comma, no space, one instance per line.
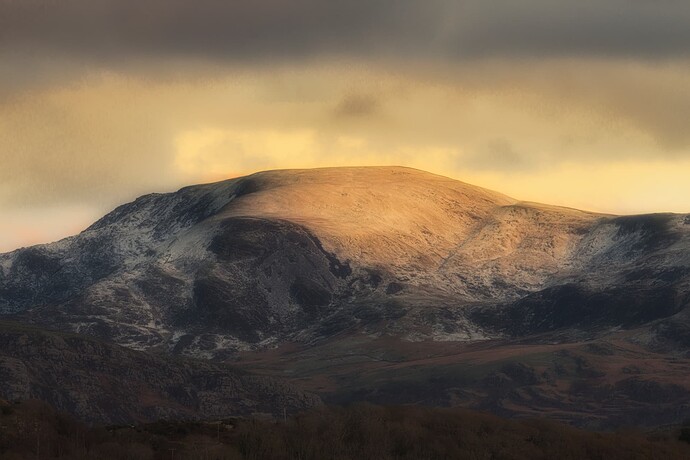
(113,136)
(42,224)
(82,145)
(627,59)
(498,155)
(586,28)
(95,145)
(356,106)
(278,29)
(219,29)
(102,100)
(619,187)
(214,153)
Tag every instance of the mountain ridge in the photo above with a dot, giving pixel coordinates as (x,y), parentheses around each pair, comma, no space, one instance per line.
(442,237)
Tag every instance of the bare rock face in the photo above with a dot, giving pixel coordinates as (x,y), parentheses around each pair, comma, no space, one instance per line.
(301,257)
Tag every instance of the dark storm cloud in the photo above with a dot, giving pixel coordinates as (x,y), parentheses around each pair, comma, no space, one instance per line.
(262,29)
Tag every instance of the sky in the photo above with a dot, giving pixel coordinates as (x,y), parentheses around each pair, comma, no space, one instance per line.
(583,104)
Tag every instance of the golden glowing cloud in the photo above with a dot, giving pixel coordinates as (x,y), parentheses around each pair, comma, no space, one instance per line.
(604,136)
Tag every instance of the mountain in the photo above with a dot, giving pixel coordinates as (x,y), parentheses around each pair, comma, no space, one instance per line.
(323,274)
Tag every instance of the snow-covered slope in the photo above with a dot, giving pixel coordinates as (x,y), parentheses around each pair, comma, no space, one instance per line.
(298,255)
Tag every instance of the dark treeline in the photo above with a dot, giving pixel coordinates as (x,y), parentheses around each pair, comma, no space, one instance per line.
(33,430)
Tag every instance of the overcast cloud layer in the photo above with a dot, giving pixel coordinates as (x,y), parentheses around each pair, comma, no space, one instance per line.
(582,103)
(259,29)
